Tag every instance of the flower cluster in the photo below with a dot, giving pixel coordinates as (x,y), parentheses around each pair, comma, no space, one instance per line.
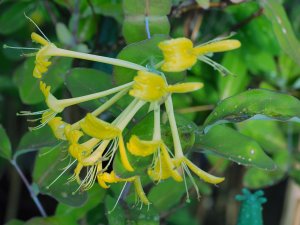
(94,143)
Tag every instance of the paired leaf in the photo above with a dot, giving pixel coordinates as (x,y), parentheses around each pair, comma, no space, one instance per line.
(232,145)
(255,104)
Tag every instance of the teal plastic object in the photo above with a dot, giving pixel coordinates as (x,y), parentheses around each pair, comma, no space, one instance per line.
(251,207)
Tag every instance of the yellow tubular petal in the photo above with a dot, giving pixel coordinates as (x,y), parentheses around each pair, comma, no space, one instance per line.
(142,148)
(97,128)
(77,172)
(148,86)
(37,38)
(202,174)
(45,89)
(178,54)
(140,191)
(185,87)
(101,182)
(219,46)
(58,127)
(123,154)
(171,166)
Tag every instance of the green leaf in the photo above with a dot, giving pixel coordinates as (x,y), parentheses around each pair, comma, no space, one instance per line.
(50,164)
(95,196)
(5,145)
(12,19)
(156,7)
(255,104)
(121,215)
(231,85)
(143,53)
(232,145)
(282,28)
(83,81)
(63,34)
(15,222)
(267,133)
(29,87)
(53,220)
(256,178)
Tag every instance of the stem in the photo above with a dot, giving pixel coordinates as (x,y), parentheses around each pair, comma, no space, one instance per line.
(96,58)
(157,131)
(174,130)
(29,188)
(74,101)
(103,107)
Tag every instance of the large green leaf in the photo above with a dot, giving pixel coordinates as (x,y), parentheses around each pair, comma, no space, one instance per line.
(53,220)
(282,28)
(95,196)
(231,85)
(134,25)
(255,104)
(5,146)
(51,163)
(84,81)
(144,53)
(29,87)
(232,145)
(9,23)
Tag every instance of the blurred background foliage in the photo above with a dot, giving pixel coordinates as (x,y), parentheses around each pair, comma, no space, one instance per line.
(268,59)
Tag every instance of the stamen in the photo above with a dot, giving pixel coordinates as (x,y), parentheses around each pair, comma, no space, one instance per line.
(60,175)
(218,39)
(224,71)
(188,200)
(119,197)
(36,27)
(29,113)
(193,180)
(51,116)
(54,147)
(20,48)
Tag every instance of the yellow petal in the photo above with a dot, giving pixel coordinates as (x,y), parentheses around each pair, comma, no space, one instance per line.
(164,168)
(185,87)
(124,158)
(140,191)
(97,128)
(178,54)
(148,86)
(58,127)
(45,89)
(37,38)
(219,46)
(142,148)
(202,174)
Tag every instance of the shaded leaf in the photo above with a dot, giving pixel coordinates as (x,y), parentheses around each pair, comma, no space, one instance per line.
(83,81)
(51,163)
(232,145)
(5,145)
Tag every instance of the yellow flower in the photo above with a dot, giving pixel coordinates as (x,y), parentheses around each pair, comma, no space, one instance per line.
(142,148)
(42,56)
(179,54)
(102,130)
(152,87)
(111,177)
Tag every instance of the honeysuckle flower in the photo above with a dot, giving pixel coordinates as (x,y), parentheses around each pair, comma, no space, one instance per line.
(49,50)
(180,54)
(56,124)
(151,87)
(104,178)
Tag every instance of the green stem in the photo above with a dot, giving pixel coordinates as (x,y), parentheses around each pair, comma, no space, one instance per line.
(156,129)
(174,130)
(96,58)
(73,101)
